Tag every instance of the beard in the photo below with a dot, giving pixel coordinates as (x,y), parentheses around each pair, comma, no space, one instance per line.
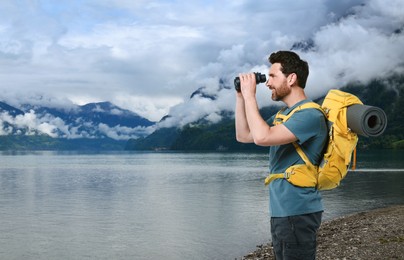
(279,93)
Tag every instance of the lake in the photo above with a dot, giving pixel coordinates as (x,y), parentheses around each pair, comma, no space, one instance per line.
(146,205)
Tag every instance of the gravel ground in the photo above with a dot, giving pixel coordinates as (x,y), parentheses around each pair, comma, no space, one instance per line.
(375,234)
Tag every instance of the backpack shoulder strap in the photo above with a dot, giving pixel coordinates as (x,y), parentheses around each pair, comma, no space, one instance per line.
(303,155)
(280,118)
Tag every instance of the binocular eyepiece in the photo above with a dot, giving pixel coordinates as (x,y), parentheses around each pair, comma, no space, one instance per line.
(259,78)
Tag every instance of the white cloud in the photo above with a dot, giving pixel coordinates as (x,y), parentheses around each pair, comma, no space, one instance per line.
(356,47)
(124,133)
(149,56)
(30,124)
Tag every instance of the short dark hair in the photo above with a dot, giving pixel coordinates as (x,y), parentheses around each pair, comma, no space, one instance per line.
(291,63)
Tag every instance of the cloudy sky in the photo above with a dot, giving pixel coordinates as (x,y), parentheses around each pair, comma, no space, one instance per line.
(149,56)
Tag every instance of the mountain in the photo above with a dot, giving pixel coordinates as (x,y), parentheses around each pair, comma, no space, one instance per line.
(92,126)
(386,93)
(198,136)
(104,126)
(95,113)
(204,93)
(12,111)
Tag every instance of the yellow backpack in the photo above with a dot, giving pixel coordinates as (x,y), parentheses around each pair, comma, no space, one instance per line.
(341,144)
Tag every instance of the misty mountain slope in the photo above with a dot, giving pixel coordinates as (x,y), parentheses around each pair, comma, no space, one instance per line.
(202,135)
(107,113)
(96,113)
(69,126)
(12,111)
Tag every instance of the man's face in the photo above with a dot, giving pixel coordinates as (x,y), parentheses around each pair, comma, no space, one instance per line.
(277,82)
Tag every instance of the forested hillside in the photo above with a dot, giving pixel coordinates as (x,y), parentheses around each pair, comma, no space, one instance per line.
(47,143)
(388,94)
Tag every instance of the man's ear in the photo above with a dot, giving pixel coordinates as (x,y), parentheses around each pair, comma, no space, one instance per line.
(292,79)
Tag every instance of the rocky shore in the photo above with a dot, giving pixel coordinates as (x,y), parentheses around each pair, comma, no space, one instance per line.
(375,234)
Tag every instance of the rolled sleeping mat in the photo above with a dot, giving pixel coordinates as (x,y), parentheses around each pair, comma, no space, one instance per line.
(366,120)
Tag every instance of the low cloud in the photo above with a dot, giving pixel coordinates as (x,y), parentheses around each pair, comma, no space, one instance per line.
(358,45)
(124,133)
(32,124)
(149,57)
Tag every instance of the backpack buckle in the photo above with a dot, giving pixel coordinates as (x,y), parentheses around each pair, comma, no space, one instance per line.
(287,174)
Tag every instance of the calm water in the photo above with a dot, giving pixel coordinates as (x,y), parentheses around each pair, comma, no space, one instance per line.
(159,205)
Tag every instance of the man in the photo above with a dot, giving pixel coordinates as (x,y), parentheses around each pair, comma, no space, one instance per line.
(295,211)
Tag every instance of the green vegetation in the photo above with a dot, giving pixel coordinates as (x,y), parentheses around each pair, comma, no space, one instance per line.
(44,142)
(388,94)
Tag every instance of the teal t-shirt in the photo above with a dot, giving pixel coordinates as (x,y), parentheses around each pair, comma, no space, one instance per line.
(310,128)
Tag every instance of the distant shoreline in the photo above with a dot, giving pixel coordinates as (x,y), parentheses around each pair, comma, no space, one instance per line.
(373,234)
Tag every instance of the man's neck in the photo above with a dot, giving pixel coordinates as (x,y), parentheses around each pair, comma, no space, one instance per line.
(296,95)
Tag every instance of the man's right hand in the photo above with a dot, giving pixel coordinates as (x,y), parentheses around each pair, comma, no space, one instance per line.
(248,85)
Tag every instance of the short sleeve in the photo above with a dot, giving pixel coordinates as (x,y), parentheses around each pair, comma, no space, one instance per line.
(270,121)
(306,123)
